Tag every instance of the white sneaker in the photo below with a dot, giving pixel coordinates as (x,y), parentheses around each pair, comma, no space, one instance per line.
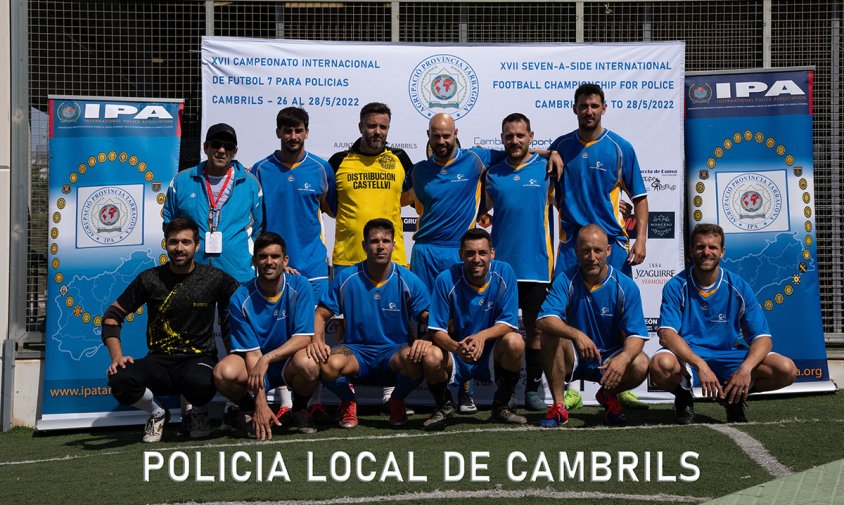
(155,427)
(199,427)
(466,404)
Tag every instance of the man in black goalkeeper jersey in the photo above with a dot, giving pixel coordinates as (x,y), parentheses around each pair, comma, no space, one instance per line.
(181,297)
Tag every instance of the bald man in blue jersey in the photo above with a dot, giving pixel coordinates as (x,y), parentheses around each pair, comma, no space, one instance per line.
(599,311)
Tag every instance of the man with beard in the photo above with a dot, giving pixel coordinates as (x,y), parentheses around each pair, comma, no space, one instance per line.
(271,318)
(181,297)
(520,192)
(474,325)
(597,165)
(224,200)
(295,183)
(379,300)
(599,311)
(714,335)
(371,181)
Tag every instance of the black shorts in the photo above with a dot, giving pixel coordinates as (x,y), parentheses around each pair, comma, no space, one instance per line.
(532,294)
(189,375)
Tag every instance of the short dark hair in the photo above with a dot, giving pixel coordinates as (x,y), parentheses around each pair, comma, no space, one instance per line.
(708,229)
(475,234)
(515,118)
(180,224)
(588,89)
(375,108)
(378,224)
(267,239)
(290,117)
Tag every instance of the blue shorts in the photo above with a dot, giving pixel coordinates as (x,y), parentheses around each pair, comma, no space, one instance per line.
(427,261)
(567,258)
(319,287)
(587,370)
(374,363)
(482,370)
(723,363)
(275,375)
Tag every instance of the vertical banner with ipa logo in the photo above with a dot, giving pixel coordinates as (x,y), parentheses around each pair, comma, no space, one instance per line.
(111,161)
(750,170)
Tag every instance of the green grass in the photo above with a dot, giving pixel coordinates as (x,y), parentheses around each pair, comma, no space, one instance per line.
(106,466)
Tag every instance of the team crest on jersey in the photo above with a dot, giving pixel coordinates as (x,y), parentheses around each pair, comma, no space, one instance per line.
(108,214)
(443,83)
(752,201)
(387,162)
(517,177)
(443,171)
(291,178)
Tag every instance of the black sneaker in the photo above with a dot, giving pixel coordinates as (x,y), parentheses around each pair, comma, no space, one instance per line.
(439,418)
(735,412)
(184,426)
(684,406)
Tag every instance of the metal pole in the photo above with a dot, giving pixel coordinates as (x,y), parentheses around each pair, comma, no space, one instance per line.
(19,218)
(578,22)
(835,150)
(766,34)
(395,22)
(209,18)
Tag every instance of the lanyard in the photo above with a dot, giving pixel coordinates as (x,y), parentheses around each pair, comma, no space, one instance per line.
(213,210)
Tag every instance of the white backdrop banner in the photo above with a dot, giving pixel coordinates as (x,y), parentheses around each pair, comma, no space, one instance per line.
(245,82)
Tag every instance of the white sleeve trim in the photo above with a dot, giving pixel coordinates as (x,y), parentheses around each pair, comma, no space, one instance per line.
(668,328)
(551,315)
(245,350)
(508,324)
(437,328)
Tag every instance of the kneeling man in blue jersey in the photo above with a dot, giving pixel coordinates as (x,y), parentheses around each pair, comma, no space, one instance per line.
(708,317)
(270,318)
(380,301)
(474,325)
(600,311)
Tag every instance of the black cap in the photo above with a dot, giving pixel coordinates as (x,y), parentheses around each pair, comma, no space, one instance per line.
(221,132)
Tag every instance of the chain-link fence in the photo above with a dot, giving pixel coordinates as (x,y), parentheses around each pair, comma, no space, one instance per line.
(151,49)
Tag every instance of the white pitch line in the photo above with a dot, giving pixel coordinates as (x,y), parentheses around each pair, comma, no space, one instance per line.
(497,493)
(754,449)
(400,435)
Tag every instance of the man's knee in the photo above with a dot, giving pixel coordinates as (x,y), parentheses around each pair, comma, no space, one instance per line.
(513,344)
(227,372)
(778,371)
(333,367)
(126,387)
(638,368)
(303,366)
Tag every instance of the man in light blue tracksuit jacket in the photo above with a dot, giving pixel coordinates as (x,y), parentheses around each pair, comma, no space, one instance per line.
(224,200)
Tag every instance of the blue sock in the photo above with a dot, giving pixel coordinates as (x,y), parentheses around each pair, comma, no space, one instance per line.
(404,386)
(340,387)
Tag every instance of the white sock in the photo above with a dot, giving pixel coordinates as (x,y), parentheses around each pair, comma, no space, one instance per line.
(147,404)
(387,393)
(286,397)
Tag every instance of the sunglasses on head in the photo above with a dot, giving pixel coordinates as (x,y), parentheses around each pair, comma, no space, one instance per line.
(216,144)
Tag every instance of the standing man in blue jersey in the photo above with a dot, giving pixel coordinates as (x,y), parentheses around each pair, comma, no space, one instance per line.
(379,301)
(270,318)
(446,193)
(599,311)
(474,324)
(714,335)
(295,183)
(520,193)
(224,200)
(598,164)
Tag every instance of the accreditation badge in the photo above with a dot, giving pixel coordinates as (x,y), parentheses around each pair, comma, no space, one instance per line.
(213,242)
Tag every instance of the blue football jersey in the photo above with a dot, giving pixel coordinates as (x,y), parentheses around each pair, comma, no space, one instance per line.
(608,313)
(470,309)
(521,199)
(292,196)
(376,314)
(257,321)
(594,175)
(715,317)
(448,196)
